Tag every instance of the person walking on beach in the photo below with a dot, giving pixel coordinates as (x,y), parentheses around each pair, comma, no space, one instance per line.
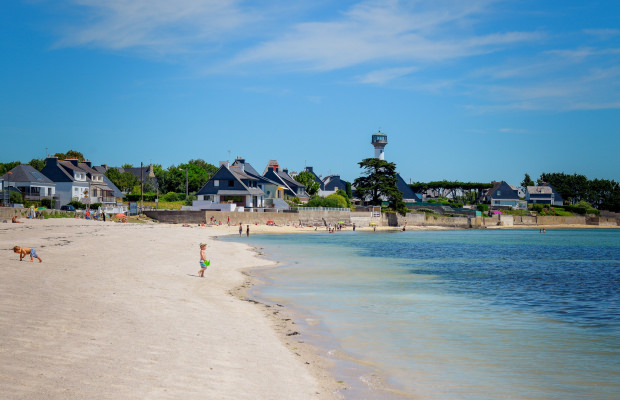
(240,229)
(247,231)
(204,263)
(24,251)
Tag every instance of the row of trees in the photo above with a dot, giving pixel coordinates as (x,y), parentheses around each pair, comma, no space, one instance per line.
(467,192)
(602,194)
(38,163)
(174,179)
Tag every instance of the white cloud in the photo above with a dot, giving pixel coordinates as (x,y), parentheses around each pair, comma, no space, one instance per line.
(603,34)
(385,75)
(158,26)
(374,32)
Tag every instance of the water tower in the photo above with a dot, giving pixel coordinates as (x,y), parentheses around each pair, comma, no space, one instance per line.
(379,141)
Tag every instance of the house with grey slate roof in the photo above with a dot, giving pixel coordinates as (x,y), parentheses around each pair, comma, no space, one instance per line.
(72,183)
(116,192)
(99,191)
(543,194)
(502,195)
(269,187)
(32,184)
(230,188)
(332,184)
(286,184)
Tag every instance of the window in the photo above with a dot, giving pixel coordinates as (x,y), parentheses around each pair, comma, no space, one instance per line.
(231,183)
(499,192)
(216,183)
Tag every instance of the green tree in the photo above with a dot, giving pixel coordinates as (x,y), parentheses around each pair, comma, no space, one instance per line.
(209,168)
(307,179)
(527,181)
(348,190)
(344,196)
(125,181)
(339,199)
(6,167)
(70,154)
(378,182)
(37,164)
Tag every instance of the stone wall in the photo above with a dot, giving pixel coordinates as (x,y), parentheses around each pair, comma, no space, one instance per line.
(548,220)
(601,221)
(6,213)
(453,222)
(361,219)
(520,220)
(412,219)
(315,218)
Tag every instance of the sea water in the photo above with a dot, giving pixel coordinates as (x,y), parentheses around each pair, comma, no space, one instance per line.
(472,314)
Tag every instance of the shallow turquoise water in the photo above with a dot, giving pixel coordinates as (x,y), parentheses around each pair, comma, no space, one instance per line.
(473,314)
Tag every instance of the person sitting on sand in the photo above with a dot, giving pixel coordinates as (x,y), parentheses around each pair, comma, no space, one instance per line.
(24,251)
(204,263)
(15,221)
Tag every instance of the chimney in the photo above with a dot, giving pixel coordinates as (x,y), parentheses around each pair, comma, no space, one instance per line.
(224,163)
(285,170)
(309,169)
(88,163)
(73,161)
(51,161)
(271,169)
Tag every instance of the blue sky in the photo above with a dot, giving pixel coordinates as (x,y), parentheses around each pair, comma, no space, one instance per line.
(475,90)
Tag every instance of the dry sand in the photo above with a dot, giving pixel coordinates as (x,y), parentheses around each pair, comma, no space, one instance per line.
(116,311)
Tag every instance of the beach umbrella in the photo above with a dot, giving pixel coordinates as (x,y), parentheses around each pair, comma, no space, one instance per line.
(270,222)
(119,215)
(373,223)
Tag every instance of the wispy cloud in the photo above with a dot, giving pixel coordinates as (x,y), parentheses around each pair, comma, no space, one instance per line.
(603,34)
(380,32)
(430,46)
(156,26)
(385,75)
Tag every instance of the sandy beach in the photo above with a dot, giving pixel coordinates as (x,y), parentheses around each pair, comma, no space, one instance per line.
(117,311)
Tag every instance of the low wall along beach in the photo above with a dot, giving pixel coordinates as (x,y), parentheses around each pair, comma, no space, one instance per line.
(362,219)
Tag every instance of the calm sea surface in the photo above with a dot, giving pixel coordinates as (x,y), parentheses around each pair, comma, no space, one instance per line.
(475,314)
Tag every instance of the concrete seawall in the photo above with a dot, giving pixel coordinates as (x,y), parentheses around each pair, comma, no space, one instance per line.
(318,218)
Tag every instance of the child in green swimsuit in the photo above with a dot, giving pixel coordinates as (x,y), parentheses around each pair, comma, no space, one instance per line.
(204,263)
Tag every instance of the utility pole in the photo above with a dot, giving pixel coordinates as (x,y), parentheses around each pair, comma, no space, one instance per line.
(141,185)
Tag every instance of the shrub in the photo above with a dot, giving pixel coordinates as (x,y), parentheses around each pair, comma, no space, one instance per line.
(328,201)
(483,207)
(77,205)
(537,207)
(49,203)
(146,197)
(172,196)
(340,201)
